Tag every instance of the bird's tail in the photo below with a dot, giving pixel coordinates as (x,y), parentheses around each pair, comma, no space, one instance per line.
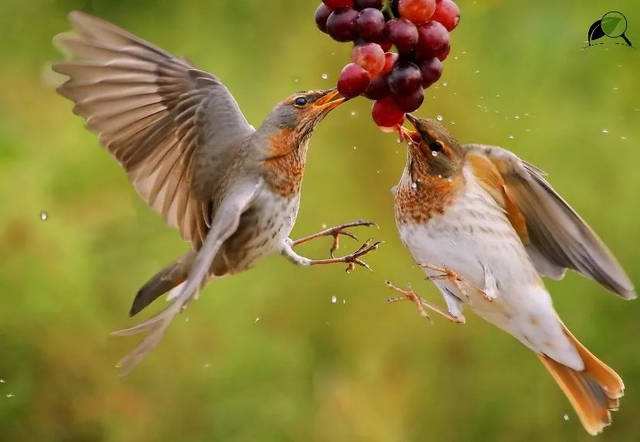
(593,392)
(166,279)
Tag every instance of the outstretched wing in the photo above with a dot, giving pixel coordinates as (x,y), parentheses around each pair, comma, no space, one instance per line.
(555,236)
(160,117)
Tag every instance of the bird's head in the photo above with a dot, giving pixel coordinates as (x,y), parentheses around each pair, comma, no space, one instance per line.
(300,113)
(433,149)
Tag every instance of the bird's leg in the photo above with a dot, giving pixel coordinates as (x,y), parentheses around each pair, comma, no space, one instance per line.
(352,260)
(445,273)
(335,232)
(422,304)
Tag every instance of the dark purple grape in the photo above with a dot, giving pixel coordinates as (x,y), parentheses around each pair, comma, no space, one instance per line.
(336,4)
(378,88)
(410,102)
(370,24)
(403,34)
(341,25)
(354,80)
(433,41)
(431,71)
(322,14)
(405,79)
(364,4)
(444,52)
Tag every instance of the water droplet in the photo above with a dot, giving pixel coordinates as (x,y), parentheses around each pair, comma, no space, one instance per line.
(354,113)
(44,215)
(605,131)
(334,299)
(623,138)
(296,80)
(9,395)
(566,417)
(464,52)
(2,381)
(511,137)
(325,76)
(344,301)
(378,172)
(434,153)
(323,226)
(207,365)
(477,71)
(187,319)
(439,176)
(455,58)
(445,84)
(355,147)
(257,320)
(527,130)
(439,117)
(517,117)
(498,95)
(616,89)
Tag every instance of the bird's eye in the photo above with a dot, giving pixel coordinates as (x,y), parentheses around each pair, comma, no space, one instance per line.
(436,146)
(301,102)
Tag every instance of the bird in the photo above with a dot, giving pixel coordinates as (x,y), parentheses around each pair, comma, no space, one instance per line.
(486,227)
(232,191)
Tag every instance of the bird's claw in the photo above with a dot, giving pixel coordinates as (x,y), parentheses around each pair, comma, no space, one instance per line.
(354,260)
(336,232)
(422,304)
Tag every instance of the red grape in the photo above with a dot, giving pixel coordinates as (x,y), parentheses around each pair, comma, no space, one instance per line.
(386,45)
(447,13)
(353,81)
(370,57)
(405,78)
(390,60)
(378,88)
(341,25)
(364,4)
(387,114)
(322,14)
(444,52)
(417,11)
(410,102)
(431,71)
(335,4)
(370,24)
(403,34)
(434,39)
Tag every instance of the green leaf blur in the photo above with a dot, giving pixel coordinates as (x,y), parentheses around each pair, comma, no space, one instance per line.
(266,356)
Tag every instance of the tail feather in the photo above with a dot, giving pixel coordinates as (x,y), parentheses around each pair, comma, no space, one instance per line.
(593,392)
(166,279)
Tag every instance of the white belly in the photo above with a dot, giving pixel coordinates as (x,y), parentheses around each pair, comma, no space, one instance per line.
(475,239)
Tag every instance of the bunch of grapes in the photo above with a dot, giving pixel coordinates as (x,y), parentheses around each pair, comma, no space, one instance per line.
(419,30)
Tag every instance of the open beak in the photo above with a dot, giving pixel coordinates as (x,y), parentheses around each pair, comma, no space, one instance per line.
(329,101)
(413,120)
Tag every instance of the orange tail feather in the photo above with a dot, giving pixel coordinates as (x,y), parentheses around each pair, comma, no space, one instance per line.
(593,393)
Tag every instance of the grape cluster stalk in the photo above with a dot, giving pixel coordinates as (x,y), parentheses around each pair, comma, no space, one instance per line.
(395,81)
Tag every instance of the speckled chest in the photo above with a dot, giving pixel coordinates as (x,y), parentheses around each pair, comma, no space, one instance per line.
(263,229)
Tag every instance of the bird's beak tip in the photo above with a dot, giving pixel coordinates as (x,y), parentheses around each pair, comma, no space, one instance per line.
(330,100)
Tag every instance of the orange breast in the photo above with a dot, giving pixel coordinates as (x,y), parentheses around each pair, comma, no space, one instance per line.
(284,167)
(429,196)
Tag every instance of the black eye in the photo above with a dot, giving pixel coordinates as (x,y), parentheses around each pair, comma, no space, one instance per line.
(301,101)
(436,146)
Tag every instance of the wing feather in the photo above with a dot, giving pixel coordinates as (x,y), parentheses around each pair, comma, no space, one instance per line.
(154,112)
(558,238)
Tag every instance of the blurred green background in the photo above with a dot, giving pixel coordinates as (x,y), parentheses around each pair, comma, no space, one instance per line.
(266,355)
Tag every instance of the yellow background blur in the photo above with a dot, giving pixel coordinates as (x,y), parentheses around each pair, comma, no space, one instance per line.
(266,355)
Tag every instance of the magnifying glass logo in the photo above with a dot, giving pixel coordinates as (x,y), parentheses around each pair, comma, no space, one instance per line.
(613,24)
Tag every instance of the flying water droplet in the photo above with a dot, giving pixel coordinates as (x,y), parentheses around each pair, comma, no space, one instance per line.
(10,395)
(334,299)
(296,80)
(257,320)
(344,301)
(623,138)
(207,365)
(511,137)
(605,131)
(439,117)
(2,381)
(354,113)
(323,226)
(477,71)
(44,215)
(325,76)
(445,84)
(517,117)
(566,417)
(378,172)
(355,147)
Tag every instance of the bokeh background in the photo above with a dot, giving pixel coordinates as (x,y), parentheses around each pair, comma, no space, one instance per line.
(267,355)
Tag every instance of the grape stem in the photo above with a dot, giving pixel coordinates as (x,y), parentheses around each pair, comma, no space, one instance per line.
(387,8)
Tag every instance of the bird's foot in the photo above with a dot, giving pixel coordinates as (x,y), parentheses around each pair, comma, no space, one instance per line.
(422,304)
(335,232)
(353,259)
(446,274)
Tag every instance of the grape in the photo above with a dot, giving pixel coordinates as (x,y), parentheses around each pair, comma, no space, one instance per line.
(378,88)
(410,102)
(353,81)
(370,24)
(433,41)
(322,14)
(335,4)
(417,11)
(386,45)
(405,78)
(444,52)
(387,114)
(364,4)
(431,71)
(370,57)
(390,60)
(341,25)
(403,34)
(447,13)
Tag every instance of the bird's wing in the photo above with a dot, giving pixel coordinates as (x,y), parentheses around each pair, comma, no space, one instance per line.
(555,236)
(224,224)
(160,117)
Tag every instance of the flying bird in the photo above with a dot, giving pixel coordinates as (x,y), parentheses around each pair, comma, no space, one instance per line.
(232,191)
(486,226)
